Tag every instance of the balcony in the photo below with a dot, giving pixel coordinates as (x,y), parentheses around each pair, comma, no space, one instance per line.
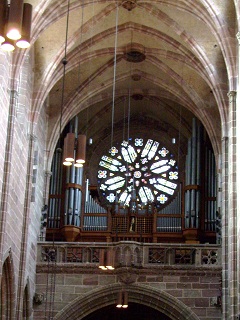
(130,254)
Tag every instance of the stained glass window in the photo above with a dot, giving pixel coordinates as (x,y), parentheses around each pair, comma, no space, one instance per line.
(139,170)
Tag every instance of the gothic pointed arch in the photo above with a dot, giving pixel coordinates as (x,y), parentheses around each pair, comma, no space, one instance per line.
(141,294)
(26,302)
(7,290)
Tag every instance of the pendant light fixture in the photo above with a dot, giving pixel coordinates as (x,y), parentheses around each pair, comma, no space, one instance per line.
(8,45)
(122,299)
(106,259)
(81,149)
(74,149)
(24,41)
(68,149)
(15,24)
(3,19)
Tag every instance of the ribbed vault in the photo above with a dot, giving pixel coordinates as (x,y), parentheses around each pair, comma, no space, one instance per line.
(189,64)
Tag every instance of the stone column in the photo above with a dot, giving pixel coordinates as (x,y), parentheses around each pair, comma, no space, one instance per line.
(25,227)
(232,210)
(7,168)
(224,214)
(238,170)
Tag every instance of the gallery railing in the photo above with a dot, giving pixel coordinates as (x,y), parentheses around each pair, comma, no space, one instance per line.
(134,254)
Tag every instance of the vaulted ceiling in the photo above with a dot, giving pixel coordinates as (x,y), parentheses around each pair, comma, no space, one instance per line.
(161,61)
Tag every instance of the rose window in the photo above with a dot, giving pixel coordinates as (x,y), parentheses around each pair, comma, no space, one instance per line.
(143,171)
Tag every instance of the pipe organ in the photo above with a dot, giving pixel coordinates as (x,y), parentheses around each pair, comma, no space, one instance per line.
(75,213)
(193,177)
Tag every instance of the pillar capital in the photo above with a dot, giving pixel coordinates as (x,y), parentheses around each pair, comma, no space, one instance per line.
(232,96)
(13,93)
(32,137)
(48,174)
(232,93)
(238,37)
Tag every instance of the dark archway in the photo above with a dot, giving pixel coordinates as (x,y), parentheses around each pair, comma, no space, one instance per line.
(26,303)
(133,312)
(143,295)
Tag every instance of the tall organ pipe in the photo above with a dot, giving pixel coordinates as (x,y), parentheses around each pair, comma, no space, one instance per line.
(55,189)
(58,189)
(193,173)
(198,176)
(193,177)
(188,181)
(52,188)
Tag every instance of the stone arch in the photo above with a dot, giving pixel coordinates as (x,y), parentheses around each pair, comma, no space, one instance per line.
(26,302)
(137,293)
(7,290)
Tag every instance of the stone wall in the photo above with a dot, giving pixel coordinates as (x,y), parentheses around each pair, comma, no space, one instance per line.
(21,203)
(195,288)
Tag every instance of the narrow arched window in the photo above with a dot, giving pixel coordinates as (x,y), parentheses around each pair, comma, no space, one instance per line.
(6,292)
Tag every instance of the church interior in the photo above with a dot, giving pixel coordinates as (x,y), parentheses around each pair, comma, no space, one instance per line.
(119,159)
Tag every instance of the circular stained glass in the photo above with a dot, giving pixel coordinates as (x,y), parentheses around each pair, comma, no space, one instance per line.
(139,170)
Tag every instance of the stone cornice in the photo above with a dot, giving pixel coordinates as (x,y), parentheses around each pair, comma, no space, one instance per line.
(132,272)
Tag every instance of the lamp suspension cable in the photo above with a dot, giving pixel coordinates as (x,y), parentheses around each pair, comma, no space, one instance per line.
(81,37)
(52,252)
(114,73)
(74,151)
(179,134)
(81,138)
(180,124)
(64,63)
(129,92)
(129,107)
(129,114)
(124,118)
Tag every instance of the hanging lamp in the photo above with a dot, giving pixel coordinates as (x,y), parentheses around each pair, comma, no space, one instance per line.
(3,19)
(68,149)
(122,299)
(24,41)
(81,149)
(106,259)
(15,25)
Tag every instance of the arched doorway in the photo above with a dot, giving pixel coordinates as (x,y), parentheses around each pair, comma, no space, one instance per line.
(95,302)
(133,312)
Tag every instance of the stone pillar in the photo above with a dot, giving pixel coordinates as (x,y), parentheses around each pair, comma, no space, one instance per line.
(232,211)
(7,168)
(25,227)
(224,214)
(238,169)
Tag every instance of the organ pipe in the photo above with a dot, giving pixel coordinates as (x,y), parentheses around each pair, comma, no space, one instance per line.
(73,195)
(55,190)
(194,186)
(193,177)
